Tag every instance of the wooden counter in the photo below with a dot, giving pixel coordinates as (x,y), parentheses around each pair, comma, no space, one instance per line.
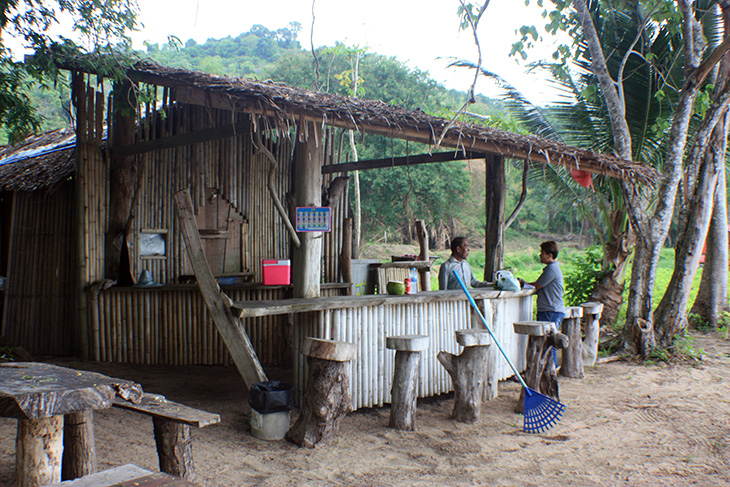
(247,309)
(367,320)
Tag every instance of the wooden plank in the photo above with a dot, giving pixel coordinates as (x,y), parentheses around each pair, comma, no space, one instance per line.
(456,155)
(303,305)
(127,476)
(230,327)
(107,478)
(158,406)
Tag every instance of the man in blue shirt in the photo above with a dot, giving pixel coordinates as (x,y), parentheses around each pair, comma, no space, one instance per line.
(457,262)
(549,286)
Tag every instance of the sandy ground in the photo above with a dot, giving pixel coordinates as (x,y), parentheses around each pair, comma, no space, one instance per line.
(625,424)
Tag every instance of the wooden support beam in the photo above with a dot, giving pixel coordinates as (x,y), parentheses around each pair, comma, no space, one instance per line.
(455,155)
(179,140)
(495,196)
(307,258)
(229,326)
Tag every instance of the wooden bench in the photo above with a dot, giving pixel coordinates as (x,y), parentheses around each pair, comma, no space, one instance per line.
(127,476)
(171,423)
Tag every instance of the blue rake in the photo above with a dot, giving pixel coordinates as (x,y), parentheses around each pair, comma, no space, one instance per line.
(540,411)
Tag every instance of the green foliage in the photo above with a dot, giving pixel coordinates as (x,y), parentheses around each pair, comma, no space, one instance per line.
(101,26)
(683,348)
(587,271)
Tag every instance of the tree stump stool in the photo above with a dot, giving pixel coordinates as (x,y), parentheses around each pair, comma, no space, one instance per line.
(468,372)
(540,371)
(572,363)
(408,350)
(327,395)
(592,326)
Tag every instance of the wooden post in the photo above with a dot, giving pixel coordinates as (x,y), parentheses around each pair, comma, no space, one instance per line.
(592,314)
(327,396)
(346,254)
(123,176)
(79,451)
(495,195)
(219,305)
(467,372)
(424,273)
(174,447)
(572,363)
(307,258)
(405,379)
(39,448)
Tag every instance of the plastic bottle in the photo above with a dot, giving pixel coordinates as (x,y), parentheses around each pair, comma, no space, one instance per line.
(414,280)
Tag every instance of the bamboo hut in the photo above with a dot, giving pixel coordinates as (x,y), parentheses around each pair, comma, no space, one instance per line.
(84,214)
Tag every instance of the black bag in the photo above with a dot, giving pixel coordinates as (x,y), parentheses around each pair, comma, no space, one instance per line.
(272,396)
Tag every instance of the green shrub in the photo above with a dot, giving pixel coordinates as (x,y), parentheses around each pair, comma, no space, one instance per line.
(586,270)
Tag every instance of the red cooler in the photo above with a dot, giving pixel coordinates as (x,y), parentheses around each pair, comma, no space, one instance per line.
(277,272)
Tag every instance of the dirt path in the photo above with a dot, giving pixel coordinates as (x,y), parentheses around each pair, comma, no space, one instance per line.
(626,424)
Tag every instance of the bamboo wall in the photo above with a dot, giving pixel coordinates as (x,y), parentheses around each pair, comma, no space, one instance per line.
(38,302)
(171,325)
(228,166)
(371,373)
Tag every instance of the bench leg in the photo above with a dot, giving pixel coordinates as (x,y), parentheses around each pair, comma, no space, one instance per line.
(174,448)
(79,452)
(39,446)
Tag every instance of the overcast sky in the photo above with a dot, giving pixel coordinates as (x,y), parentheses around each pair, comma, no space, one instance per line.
(422,33)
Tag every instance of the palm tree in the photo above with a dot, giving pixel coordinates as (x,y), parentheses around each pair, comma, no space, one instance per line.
(645,56)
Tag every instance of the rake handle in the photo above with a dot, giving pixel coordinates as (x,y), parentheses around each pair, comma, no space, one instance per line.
(489,329)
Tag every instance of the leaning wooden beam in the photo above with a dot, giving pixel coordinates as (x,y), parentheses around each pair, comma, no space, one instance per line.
(230,327)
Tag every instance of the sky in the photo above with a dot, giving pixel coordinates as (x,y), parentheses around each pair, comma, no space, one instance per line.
(424,34)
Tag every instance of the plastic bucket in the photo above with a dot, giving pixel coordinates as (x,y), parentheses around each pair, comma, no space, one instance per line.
(271,403)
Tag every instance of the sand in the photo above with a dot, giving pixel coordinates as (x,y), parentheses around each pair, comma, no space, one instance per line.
(625,424)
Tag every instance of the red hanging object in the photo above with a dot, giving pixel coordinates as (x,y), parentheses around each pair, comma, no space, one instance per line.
(584,178)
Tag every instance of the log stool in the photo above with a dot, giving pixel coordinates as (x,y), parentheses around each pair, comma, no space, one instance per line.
(467,372)
(572,363)
(540,373)
(327,395)
(592,323)
(405,379)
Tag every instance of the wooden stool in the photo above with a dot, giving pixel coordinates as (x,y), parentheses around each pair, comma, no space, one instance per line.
(572,363)
(592,322)
(327,395)
(405,379)
(540,373)
(467,372)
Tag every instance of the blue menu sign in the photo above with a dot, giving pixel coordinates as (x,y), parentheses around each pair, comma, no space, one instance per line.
(313,219)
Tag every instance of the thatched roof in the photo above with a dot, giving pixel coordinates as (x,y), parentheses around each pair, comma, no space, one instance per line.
(286,105)
(38,162)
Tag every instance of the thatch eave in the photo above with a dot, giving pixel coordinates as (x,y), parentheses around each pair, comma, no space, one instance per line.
(286,105)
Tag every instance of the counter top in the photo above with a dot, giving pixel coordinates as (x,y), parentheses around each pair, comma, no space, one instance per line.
(247,309)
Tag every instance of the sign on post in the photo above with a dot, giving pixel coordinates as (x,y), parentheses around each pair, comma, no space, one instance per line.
(314,219)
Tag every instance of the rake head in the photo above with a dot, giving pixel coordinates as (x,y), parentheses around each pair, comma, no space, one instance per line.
(541,412)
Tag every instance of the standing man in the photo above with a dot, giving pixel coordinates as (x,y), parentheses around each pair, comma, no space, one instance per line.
(457,262)
(549,286)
